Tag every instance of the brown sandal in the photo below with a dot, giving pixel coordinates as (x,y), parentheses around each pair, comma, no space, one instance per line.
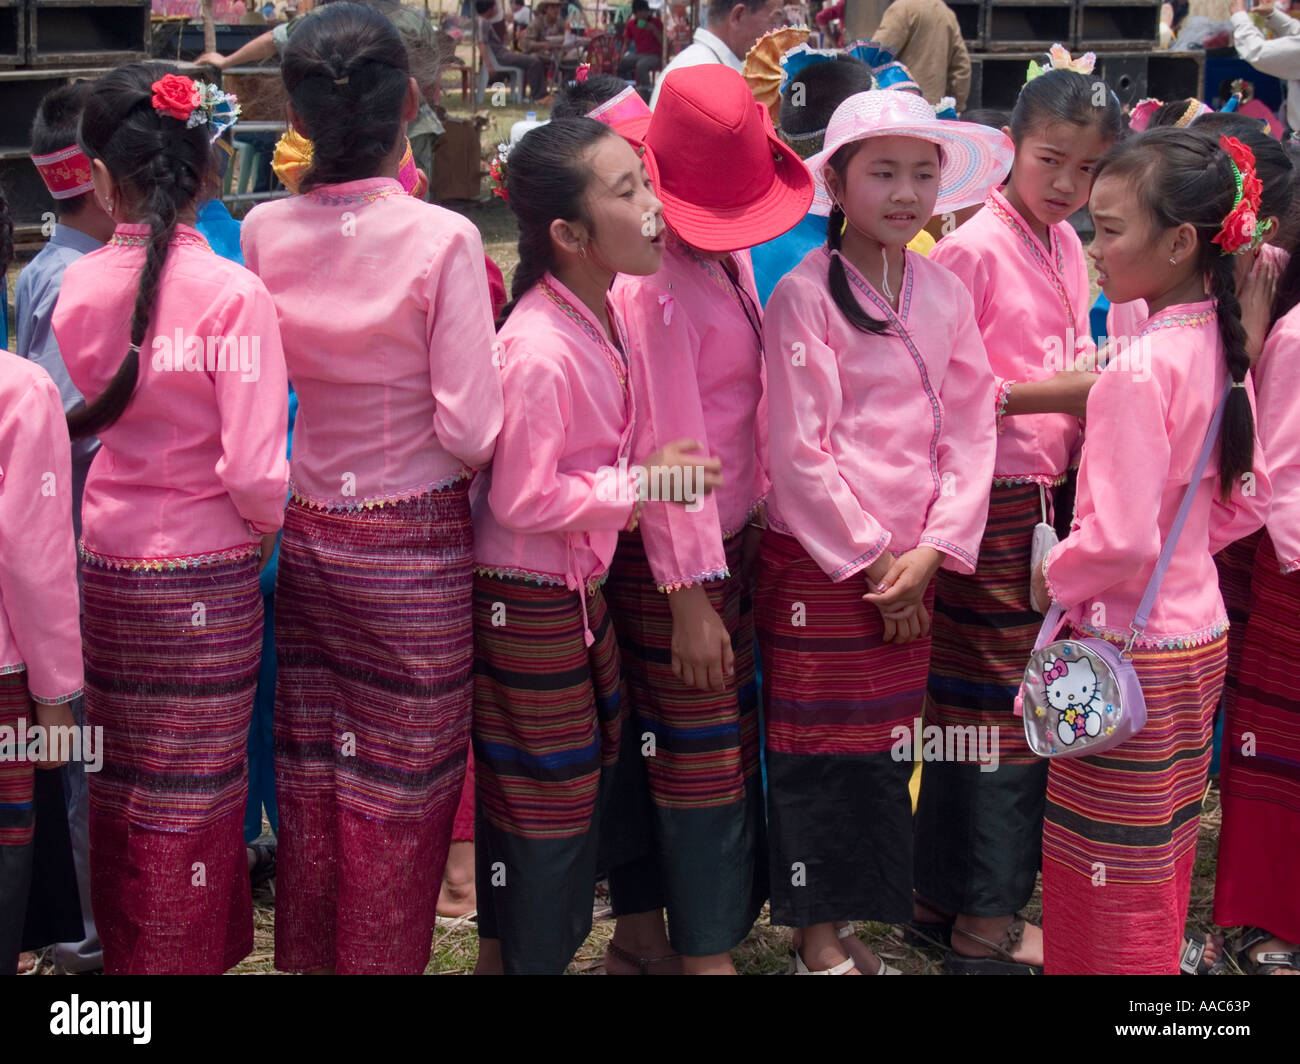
(641,964)
(1004,964)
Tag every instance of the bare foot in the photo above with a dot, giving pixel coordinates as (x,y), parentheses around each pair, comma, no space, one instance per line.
(641,943)
(26,962)
(1213,951)
(1029,950)
(717,964)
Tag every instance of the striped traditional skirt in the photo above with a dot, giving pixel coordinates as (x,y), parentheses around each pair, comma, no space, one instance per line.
(979,833)
(1236,565)
(171,671)
(834,698)
(17,818)
(1119,838)
(705,795)
(1258,874)
(372,717)
(548,725)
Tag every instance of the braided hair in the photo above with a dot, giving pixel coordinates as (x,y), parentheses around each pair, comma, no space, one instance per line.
(1183,176)
(158,167)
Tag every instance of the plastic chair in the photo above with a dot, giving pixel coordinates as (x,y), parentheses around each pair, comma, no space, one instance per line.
(603,54)
(488,69)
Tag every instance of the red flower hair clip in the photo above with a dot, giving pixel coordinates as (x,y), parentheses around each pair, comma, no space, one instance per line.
(175,95)
(1242,229)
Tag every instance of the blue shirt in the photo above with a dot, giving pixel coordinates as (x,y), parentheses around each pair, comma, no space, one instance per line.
(776,258)
(34,298)
(220,230)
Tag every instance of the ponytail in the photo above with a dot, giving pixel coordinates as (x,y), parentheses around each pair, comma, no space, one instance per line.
(1237,434)
(836,275)
(121,128)
(546,180)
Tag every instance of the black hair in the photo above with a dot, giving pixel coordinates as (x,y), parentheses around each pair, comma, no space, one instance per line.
(580,97)
(720,9)
(1272,164)
(986,116)
(1066,96)
(55,128)
(484,6)
(546,179)
(640,5)
(158,167)
(1183,176)
(812,95)
(346,72)
(836,276)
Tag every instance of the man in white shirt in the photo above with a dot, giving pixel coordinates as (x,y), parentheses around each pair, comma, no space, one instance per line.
(733,27)
(1279,57)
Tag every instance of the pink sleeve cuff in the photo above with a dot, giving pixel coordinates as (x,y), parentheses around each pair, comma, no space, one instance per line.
(1001,399)
(1290,567)
(862,561)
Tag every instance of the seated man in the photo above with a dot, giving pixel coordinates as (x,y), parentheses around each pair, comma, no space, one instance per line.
(644,35)
(534,70)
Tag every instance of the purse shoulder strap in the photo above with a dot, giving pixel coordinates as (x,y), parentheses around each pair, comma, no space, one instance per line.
(1167,552)
(1055,616)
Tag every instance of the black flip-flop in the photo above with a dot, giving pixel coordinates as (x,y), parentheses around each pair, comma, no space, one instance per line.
(1005,964)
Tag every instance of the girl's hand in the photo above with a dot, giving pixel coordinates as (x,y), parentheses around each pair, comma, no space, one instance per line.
(268,549)
(1256,297)
(701,644)
(48,717)
(1038,595)
(875,572)
(681,455)
(903,586)
(907,625)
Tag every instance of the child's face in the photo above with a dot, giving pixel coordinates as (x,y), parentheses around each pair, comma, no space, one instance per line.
(1053,168)
(888,188)
(1131,260)
(626,216)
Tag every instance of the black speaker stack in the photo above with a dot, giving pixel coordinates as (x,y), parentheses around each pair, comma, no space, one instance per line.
(1002,36)
(43,44)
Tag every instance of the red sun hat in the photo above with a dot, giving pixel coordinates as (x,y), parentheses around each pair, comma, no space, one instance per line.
(724,177)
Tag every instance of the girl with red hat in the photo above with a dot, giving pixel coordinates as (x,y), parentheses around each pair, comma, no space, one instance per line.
(880,394)
(679,587)
(549,704)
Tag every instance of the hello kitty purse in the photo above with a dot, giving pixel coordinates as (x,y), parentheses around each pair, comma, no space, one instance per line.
(1082,696)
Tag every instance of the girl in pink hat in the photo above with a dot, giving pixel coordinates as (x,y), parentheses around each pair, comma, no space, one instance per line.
(679,586)
(881,398)
(978,833)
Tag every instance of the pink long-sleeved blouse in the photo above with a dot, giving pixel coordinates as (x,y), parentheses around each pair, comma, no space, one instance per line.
(40,631)
(1144,437)
(195,466)
(1031,303)
(697,371)
(1277,381)
(878,441)
(387,326)
(559,489)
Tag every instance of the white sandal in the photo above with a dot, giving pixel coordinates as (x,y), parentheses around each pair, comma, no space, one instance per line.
(847,932)
(797,966)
